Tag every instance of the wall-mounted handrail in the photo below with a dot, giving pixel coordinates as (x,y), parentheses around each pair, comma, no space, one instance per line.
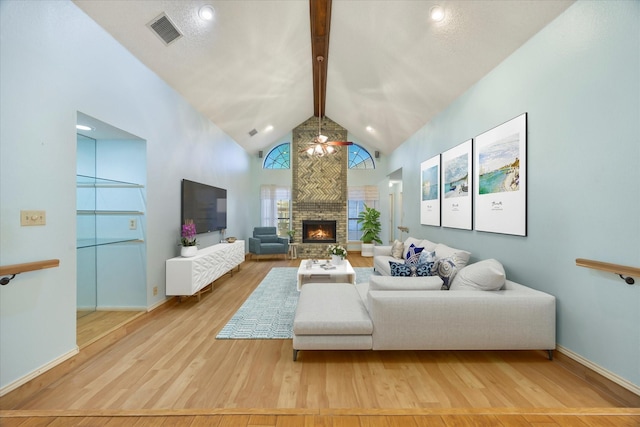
(23,268)
(618,269)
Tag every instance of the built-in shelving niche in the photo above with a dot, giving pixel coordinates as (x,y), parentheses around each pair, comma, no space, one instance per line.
(111,221)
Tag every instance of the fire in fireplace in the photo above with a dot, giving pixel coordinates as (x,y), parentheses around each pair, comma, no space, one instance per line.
(318,231)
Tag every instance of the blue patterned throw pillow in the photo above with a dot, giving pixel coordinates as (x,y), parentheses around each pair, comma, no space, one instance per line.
(399,269)
(426,269)
(413,254)
(446,270)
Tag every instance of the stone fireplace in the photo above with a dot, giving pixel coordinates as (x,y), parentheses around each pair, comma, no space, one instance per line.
(319,190)
(318,231)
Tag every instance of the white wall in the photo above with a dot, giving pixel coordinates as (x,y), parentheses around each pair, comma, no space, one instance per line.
(579,81)
(55,61)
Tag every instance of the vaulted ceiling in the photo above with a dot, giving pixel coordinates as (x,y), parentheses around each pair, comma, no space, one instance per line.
(389,67)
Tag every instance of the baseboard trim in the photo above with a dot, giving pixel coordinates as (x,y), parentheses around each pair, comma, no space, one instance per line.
(121,308)
(41,370)
(624,390)
(158,304)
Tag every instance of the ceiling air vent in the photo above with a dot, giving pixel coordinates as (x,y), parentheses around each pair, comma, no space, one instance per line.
(165,29)
(252,132)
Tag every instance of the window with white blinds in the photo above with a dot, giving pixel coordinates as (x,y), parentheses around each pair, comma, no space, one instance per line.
(275,207)
(357,198)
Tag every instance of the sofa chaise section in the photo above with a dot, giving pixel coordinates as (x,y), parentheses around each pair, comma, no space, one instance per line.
(331,316)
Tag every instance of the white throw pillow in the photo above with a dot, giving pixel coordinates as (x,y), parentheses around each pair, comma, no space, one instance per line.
(486,275)
(459,257)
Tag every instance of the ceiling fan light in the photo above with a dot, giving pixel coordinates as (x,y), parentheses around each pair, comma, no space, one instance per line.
(330,149)
(322,138)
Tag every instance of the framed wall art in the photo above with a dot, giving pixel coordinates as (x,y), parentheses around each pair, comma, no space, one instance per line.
(456,204)
(500,178)
(430,191)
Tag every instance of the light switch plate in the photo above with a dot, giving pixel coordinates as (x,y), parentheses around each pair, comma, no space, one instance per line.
(28,218)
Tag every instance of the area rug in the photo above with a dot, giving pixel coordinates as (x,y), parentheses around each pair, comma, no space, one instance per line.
(269,310)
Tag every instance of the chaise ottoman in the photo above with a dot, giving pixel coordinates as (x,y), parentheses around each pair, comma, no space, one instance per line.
(331,316)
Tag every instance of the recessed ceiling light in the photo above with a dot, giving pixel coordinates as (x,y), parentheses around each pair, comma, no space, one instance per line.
(437,13)
(206,12)
(83,127)
(369,129)
(268,128)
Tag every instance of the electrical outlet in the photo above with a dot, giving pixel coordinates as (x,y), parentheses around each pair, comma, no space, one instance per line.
(28,218)
(155,291)
(133,224)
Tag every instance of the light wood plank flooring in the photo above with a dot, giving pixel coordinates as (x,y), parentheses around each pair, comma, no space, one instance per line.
(172,371)
(92,326)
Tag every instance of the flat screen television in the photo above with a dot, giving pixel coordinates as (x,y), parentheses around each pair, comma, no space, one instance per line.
(205,205)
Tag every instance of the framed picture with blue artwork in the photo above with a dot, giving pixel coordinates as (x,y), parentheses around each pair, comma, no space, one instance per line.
(430,191)
(456,206)
(500,178)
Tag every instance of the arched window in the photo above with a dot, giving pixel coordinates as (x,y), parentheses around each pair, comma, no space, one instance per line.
(359,158)
(278,158)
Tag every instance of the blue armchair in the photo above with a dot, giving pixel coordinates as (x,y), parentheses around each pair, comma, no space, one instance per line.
(265,241)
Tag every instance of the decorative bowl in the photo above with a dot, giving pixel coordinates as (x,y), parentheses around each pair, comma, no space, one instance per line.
(231,239)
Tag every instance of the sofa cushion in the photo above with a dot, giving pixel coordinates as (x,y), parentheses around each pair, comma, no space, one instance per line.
(397,249)
(424,243)
(387,283)
(486,275)
(447,270)
(459,257)
(331,309)
(268,238)
(411,241)
(399,269)
(413,254)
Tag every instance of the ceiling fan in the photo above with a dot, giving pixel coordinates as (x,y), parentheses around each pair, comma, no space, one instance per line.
(320,145)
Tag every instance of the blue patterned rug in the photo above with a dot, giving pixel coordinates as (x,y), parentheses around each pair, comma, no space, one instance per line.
(269,310)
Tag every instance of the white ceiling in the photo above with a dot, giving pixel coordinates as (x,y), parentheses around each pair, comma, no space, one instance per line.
(389,66)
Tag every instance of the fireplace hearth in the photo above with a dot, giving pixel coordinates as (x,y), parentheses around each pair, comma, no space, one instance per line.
(318,231)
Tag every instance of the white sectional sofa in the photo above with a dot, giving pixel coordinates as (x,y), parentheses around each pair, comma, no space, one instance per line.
(414,313)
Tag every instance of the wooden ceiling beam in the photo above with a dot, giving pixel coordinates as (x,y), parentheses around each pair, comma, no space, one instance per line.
(320,15)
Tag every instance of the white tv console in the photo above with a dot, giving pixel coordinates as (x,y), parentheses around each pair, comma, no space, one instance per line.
(188,276)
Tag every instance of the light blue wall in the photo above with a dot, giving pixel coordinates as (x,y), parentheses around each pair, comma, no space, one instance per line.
(54,62)
(579,81)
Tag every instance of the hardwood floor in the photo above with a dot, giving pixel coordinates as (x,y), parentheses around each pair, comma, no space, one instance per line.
(92,326)
(170,370)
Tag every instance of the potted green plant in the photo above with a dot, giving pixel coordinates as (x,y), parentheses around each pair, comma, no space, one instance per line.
(369,220)
(291,234)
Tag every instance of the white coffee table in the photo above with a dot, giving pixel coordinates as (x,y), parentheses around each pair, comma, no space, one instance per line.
(342,273)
